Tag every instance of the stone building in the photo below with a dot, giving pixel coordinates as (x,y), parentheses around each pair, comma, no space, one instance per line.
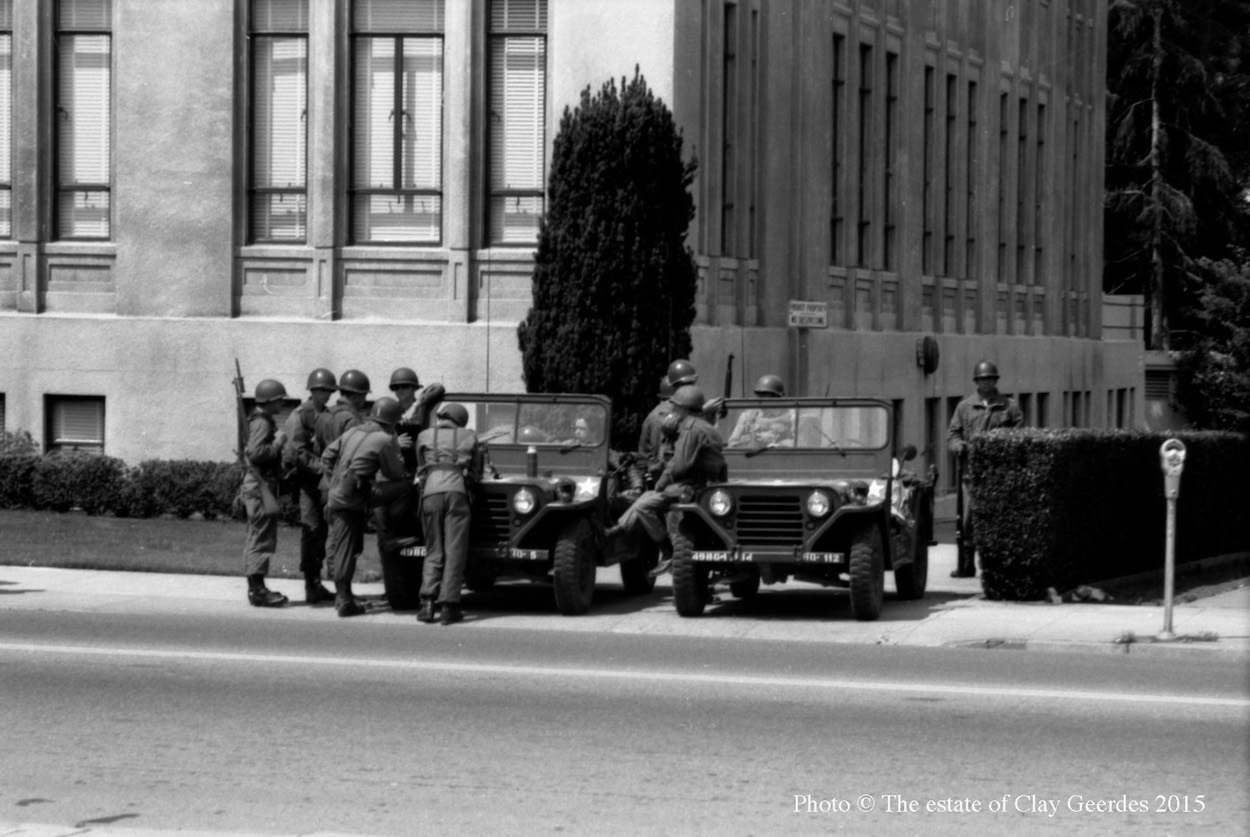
(357,183)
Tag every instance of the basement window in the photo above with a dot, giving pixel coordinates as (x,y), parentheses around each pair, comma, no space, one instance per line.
(75,423)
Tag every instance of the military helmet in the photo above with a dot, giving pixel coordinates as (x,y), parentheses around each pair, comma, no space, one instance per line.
(689,397)
(321,379)
(269,390)
(453,412)
(985,369)
(770,385)
(404,377)
(386,410)
(680,373)
(666,388)
(354,380)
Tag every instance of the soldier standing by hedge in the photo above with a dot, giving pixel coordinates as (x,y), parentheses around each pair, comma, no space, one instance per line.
(259,492)
(302,461)
(351,463)
(987,410)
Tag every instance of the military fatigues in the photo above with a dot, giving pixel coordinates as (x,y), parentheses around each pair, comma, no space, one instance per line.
(447,455)
(698,455)
(264,459)
(302,459)
(332,423)
(972,417)
(367,450)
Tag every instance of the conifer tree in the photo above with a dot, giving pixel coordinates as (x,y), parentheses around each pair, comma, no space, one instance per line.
(614,282)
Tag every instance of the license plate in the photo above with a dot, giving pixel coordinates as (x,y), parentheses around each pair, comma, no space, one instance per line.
(711,555)
(527,554)
(413,552)
(821,557)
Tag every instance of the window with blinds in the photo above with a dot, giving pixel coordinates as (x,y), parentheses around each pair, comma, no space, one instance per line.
(6,118)
(397,122)
(83,110)
(75,422)
(278,194)
(516,125)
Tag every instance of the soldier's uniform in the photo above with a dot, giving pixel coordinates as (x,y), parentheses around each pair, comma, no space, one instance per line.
(302,460)
(698,455)
(450,458)
(334,422)
(264,458)
(366,451)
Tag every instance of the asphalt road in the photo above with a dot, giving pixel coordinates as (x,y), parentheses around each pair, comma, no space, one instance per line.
(200,721)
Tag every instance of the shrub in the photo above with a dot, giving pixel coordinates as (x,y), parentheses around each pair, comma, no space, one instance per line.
(16,470)
(184,487)
(94,483)
(614,282)
(1058,508)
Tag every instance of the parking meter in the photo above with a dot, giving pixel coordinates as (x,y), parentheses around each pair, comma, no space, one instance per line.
(1172,461)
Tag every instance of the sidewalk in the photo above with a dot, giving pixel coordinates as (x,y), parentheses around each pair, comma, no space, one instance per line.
(953,613)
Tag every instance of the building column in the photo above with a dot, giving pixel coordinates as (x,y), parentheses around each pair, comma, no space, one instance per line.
(326,88)
(32,149)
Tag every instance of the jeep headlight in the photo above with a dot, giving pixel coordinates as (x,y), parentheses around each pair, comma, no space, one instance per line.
(818,504)
(720,503)
(523,501)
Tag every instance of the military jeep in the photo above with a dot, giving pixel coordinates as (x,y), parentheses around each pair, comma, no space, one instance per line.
(816,492)
(548,492)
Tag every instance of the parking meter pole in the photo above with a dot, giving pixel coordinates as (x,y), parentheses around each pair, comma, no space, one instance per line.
(1172,460)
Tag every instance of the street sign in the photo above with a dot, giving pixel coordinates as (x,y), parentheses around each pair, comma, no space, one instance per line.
(807,314)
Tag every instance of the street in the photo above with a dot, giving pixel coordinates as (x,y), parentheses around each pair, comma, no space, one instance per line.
(204,721)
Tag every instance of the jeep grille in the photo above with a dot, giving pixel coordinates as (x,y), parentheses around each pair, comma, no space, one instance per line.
(770,520)
(491,522)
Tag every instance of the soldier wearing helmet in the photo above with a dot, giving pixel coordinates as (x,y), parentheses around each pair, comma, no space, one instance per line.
(416,403)
(301,459)
(366,452)
(259,492)
(348,411)
(759,426)
(987,410)
(653,452)
(450,458)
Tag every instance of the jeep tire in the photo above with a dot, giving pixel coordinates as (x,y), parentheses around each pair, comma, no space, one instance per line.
(867,574)
(573,568)
(911,577)
(401,579)
(689,578)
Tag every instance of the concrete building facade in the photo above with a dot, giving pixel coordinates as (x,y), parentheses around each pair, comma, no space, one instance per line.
(356,184)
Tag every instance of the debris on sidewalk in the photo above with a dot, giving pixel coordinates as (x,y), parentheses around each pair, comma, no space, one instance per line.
(1083,593)
(1129,637)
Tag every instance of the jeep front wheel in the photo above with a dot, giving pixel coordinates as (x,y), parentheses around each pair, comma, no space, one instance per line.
(689,579)
(867,574)
(911,577)
(573,570)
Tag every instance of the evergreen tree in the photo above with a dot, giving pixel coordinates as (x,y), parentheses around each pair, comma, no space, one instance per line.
(1213,376)
(1177,134)
(613,281)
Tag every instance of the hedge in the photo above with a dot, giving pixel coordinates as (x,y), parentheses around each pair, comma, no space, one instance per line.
(1060,508)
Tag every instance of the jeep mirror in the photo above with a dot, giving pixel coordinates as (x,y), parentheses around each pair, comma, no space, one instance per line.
(909,452)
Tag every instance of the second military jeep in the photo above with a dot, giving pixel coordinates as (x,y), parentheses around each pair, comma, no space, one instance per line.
(548,492)
(816,492)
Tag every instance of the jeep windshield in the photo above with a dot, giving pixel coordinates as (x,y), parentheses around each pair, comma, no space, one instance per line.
(544,425)
(766,424)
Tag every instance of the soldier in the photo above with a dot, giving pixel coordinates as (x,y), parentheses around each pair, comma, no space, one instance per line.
(765,427)
(987,410)
(451,461)
(652,450)
(352,462)
(347,412)
(416,403)
(302,461)
(260,491)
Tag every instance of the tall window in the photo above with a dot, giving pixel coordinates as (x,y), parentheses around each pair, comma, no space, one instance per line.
(1001,267)
(1039,197)
(864,225)
(6,119)
(1022,205)
(948,178)
(516,123)
(970,204)
(926,163)
(836,218)
(279,187)
(891,117)
(729,131)
(397,128)
(83,105)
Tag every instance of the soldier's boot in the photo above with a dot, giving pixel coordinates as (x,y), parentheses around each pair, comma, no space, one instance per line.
(426,613)
(314,591)
(261,596)
(451,614)
(345,603)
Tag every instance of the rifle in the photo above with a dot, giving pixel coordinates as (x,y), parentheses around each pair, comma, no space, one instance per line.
(241,415)
(729,385)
